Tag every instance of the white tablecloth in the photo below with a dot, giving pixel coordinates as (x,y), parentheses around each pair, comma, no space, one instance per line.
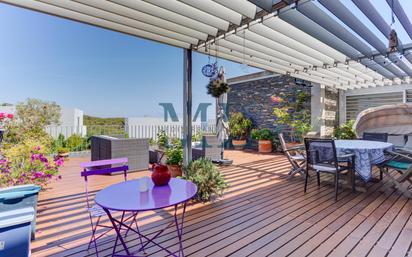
(366,153)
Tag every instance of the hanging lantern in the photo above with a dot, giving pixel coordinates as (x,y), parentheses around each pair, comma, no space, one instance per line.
(393,41)
(393,37)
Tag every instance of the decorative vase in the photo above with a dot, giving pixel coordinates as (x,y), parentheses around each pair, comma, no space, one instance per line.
(265,146)
(175,170)
(239,144)
(161,175)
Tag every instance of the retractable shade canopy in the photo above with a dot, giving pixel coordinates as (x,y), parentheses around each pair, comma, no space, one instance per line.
(320,41)
(391,119)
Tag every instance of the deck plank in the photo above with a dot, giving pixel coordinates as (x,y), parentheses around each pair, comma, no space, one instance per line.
(262,213)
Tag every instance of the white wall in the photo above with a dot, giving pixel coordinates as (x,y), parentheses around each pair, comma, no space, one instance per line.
(71,117)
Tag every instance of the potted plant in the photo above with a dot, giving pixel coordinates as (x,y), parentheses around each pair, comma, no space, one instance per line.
(264,137)
(239,127)
(208,179)
(217,87)
(63,152)
(174,160)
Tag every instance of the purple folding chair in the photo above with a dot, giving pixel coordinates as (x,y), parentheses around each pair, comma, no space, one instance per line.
(102,167)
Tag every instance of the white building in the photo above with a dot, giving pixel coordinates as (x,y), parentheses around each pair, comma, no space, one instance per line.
(71,121)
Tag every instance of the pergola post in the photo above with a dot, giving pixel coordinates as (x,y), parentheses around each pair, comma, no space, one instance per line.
(187,106)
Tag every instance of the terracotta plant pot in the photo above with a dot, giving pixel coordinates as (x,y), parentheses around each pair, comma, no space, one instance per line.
(175,170)
(239,144)
(161,174)
(265,146)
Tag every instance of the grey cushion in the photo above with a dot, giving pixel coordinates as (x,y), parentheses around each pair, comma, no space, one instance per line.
(398,140)
(409,142)
(298,157)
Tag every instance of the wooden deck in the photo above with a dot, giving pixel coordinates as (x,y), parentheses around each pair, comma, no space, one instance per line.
(262,214)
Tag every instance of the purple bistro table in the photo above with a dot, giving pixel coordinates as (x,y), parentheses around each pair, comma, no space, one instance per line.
(126,197)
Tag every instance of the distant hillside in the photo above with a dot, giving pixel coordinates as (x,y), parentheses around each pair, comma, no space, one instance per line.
(90,120)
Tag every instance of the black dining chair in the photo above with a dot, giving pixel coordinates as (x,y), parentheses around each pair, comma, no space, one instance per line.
(381,137)
(321,157)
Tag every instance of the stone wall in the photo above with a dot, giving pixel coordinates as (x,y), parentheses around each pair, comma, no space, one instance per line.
(253,96)
(331,111)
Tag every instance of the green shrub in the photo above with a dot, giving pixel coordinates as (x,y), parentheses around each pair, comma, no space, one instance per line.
(162,139)
(262,134)
(207,177)
(75,142)
(62,150)
(239,126)
(345,131)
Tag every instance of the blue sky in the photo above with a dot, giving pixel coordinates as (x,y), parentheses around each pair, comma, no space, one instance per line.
(102,72)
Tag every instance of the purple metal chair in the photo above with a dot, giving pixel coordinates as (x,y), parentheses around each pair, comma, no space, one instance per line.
(102,167)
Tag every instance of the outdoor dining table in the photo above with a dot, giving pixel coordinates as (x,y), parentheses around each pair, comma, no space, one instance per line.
(367,153)
(126,197)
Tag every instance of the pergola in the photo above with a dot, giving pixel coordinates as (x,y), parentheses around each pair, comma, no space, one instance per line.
(319,41)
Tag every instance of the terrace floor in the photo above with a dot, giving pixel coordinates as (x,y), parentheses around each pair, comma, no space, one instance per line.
(262,214)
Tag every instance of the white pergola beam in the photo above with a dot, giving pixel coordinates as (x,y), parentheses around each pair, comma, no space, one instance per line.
(168,15)
(266,34)
(144,17)
(243,7)
(191,12)
(289,30)
(109,16)
(290,42)
(62,12)
(265,49)
(216,9)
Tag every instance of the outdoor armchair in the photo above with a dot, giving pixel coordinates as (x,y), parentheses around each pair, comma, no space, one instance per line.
(295,156)
(401,162)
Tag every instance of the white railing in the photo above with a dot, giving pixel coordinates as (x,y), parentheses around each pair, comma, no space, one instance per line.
(133,131)
(172,131)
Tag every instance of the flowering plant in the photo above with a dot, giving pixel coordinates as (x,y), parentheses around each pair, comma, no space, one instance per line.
(27,164)
(5,118)
(276,99)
